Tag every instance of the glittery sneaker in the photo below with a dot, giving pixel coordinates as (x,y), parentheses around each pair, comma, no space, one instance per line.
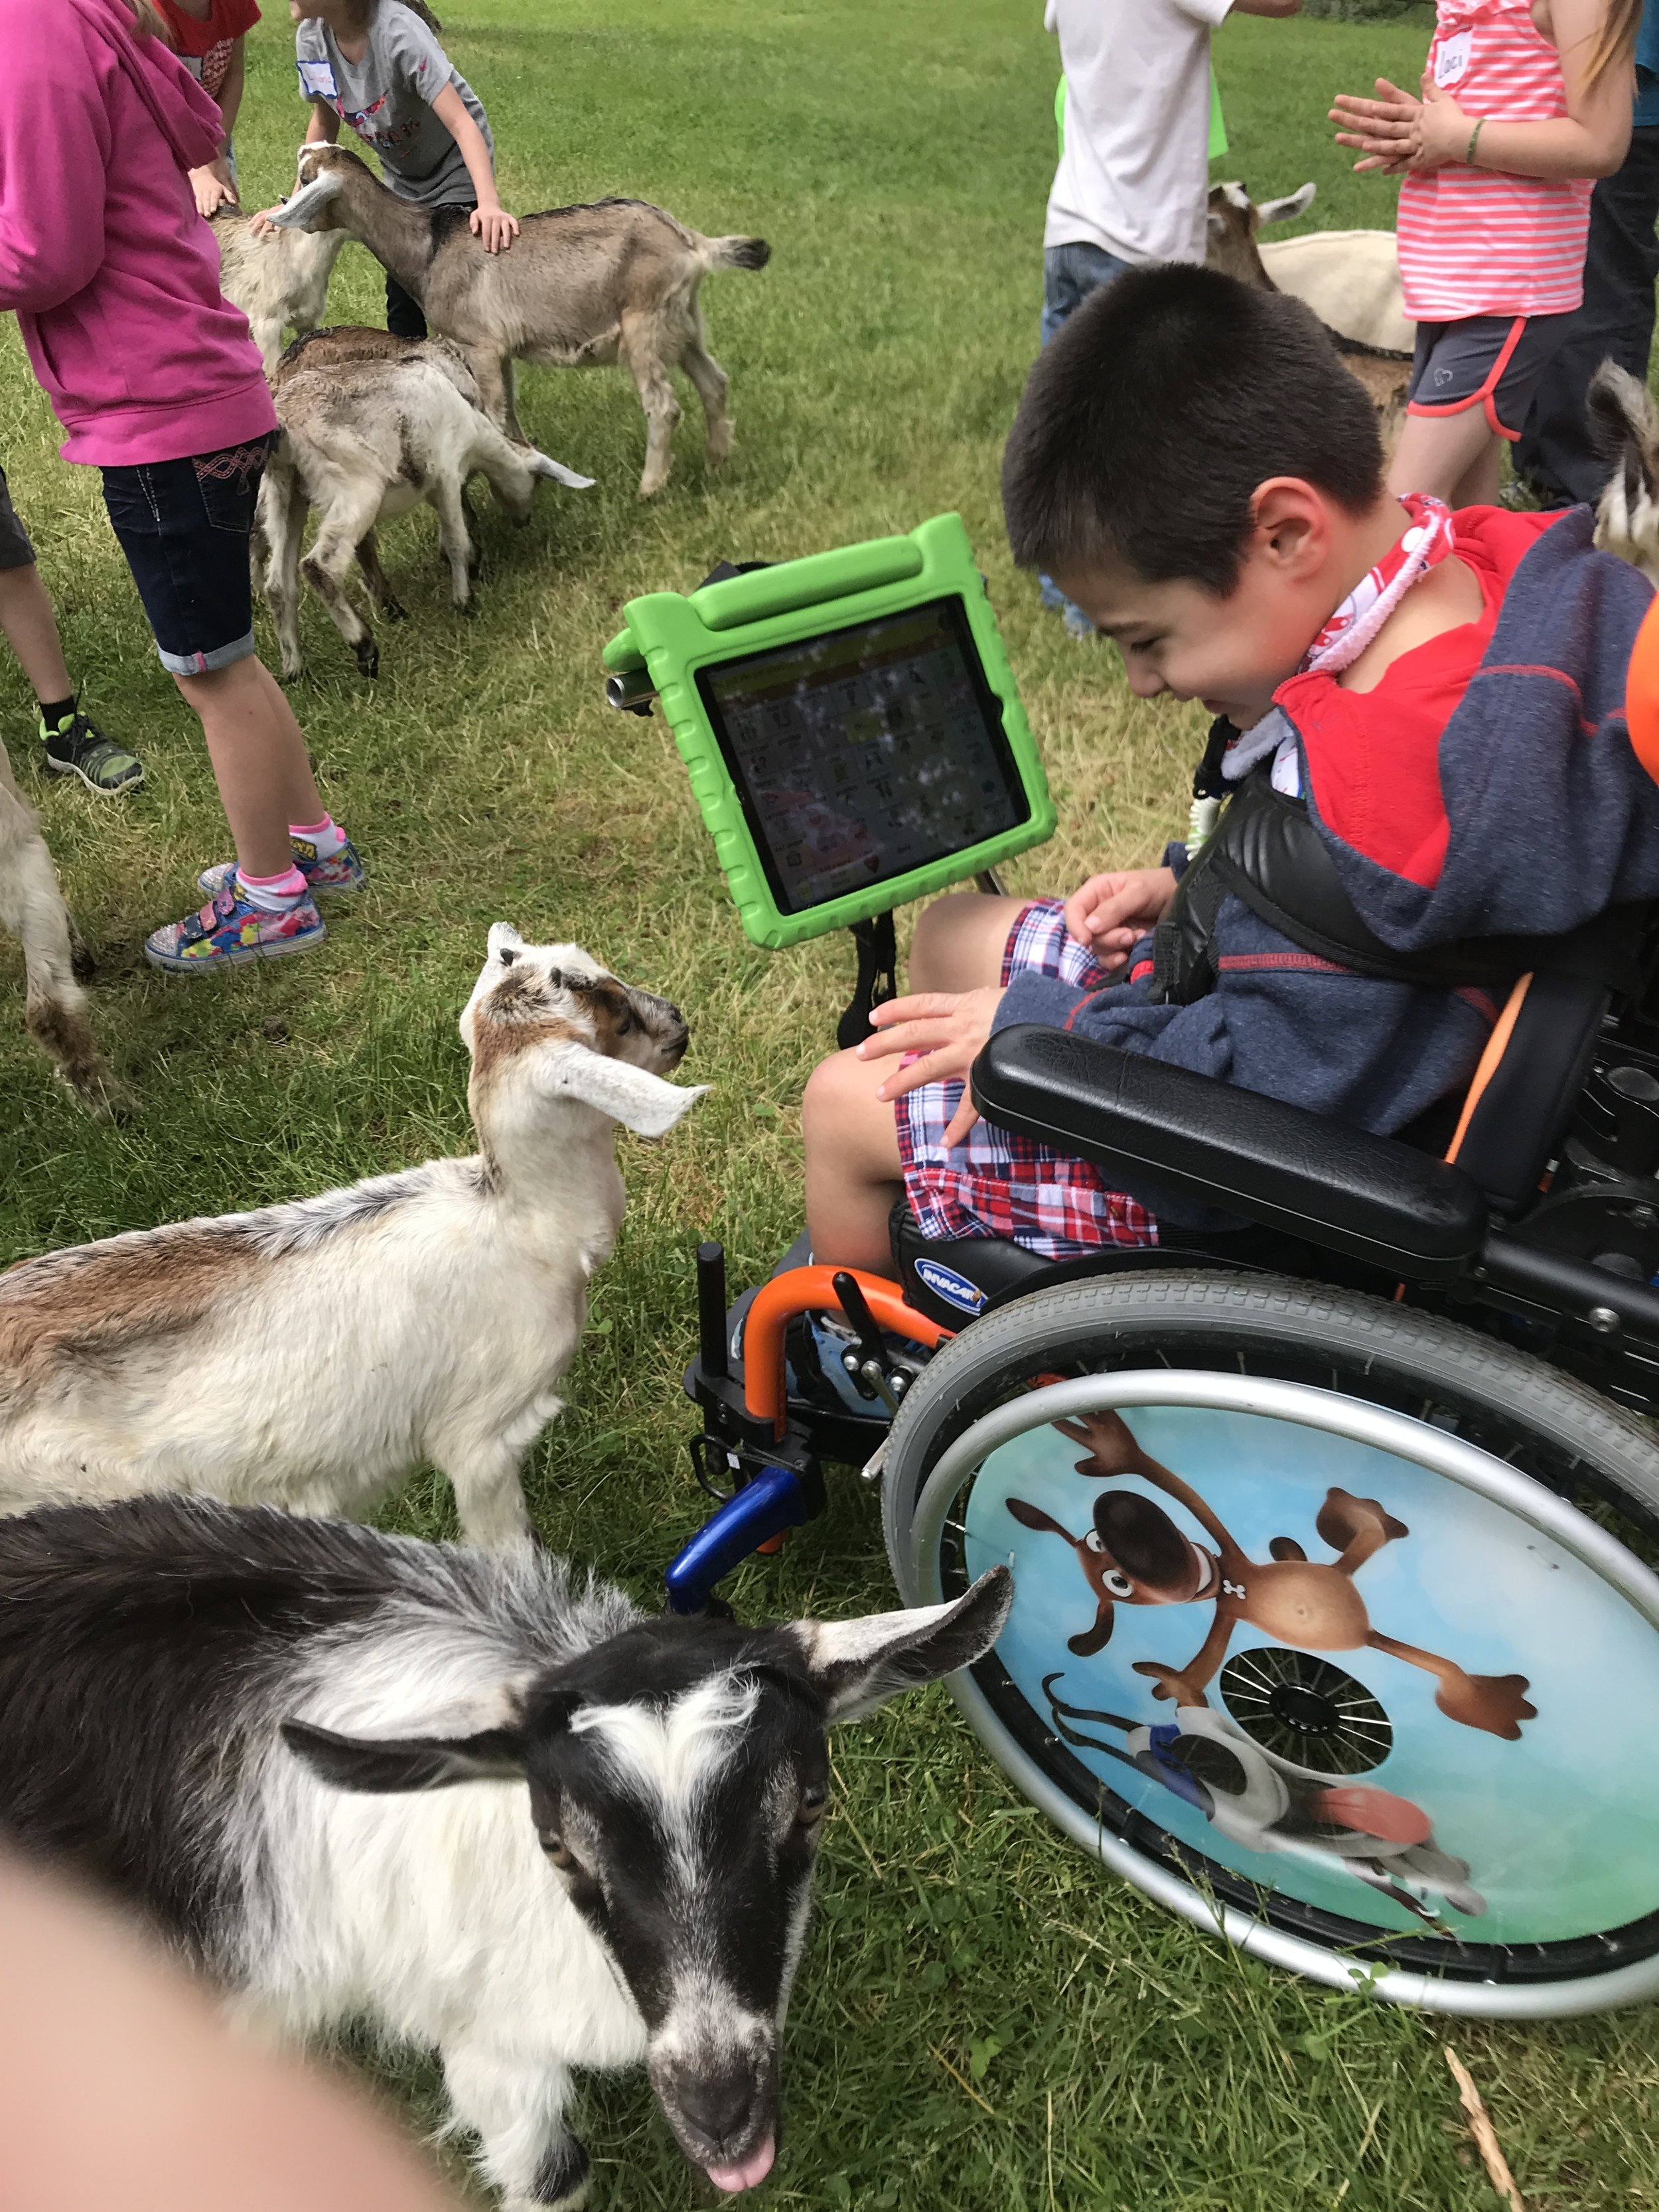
(344,872)
(77,746)
(231,929)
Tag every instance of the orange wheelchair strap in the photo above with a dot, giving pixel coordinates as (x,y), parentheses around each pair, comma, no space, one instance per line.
(1497,1045)
(813,1290)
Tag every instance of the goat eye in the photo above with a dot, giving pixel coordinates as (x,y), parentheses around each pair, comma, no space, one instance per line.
(814,1802)
(557,1849)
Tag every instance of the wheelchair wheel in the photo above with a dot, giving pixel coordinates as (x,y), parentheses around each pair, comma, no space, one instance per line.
(1331,1630)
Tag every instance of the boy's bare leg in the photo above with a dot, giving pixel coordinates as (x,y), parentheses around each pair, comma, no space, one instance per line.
(31,629)
(1456,458)
(259,760)
(853,1173)
(959,941)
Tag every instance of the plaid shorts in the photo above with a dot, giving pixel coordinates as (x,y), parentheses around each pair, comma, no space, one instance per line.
(1000,1184)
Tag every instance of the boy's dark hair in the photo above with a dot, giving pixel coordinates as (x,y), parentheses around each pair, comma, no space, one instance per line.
(1148,422)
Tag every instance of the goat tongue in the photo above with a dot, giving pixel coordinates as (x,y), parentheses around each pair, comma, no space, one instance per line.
(754,2168)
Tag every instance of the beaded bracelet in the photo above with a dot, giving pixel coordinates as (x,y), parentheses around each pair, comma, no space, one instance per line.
(1468,158)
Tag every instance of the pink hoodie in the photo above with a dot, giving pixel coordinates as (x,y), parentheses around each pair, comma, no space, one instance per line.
(113,276)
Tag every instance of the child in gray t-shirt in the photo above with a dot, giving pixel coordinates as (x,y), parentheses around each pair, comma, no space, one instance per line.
(375,65)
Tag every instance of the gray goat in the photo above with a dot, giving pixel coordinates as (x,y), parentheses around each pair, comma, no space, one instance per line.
(581,287)
(461,1797)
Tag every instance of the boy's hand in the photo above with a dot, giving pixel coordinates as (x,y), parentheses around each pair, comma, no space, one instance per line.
(493,227)
(1109,913)
(949,1029)
(212,186)
(1385,130)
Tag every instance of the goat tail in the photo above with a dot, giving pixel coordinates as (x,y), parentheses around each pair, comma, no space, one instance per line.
(734,252)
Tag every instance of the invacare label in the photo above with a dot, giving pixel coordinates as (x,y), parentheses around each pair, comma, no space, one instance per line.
(956,1290)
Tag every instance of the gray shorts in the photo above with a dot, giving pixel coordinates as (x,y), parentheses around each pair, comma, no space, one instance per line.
(1493,362)
(15,551)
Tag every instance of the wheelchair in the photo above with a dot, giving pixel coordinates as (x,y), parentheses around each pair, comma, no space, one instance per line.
(1334,1630)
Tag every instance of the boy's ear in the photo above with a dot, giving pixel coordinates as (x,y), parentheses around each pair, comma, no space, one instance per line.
(633,1096)
(1292,524)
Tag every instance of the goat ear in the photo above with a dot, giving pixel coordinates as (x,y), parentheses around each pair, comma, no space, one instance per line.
(542,465)
(633,1096)
(296,212)
(1286,211)
(382,1763)
(858,1664)
(1621,411)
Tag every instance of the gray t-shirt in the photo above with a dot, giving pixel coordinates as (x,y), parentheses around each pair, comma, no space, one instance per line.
(387,99)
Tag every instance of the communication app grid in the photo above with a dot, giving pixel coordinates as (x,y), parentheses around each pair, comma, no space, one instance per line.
(865,753)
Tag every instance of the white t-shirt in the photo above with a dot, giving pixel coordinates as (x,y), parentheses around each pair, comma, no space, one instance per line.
(1135,176)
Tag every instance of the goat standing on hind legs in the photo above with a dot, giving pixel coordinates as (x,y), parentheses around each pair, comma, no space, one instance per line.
(32,907)
(581,287)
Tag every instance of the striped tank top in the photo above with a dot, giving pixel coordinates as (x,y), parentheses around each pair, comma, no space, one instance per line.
(1475,241)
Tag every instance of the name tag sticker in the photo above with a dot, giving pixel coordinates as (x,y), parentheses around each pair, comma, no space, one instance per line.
(1453,58)
(317,81)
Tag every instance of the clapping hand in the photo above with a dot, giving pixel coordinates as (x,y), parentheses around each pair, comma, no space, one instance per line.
(1111,912)
(1386,130)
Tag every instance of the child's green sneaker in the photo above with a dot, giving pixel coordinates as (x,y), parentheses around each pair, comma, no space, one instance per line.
(77,746)
(229,930)
(342,871)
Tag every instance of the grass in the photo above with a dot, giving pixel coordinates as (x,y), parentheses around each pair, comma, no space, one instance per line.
(985,2020)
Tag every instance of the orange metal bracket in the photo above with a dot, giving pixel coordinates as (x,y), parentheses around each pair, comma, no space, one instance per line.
(813,1290)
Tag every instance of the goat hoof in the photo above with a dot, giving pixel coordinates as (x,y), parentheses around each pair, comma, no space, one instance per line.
(390,611)
(83,966)
(368,656)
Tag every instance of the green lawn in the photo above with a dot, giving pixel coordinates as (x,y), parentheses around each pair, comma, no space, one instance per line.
(897,153)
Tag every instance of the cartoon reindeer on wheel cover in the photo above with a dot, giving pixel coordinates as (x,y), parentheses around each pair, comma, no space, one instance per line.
(1134,1555)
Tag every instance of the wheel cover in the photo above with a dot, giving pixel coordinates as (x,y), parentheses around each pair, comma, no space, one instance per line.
(1410,1691)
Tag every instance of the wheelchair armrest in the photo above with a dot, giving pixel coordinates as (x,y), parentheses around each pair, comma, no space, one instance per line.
(1371,1197)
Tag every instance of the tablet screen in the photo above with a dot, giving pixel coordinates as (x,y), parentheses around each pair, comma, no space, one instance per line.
(867,752)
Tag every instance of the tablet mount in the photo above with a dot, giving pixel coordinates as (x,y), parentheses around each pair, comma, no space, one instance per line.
(853,734)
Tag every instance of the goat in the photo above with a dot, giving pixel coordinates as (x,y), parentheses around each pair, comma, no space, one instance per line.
(1347,280)
(490,1809)
(309,1355)
(616,280)
(368,433)
(32,907)
(279,279)
(1625,429)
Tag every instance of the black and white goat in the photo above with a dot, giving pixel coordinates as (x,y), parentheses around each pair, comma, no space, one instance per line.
(487,1808)
(311,1355)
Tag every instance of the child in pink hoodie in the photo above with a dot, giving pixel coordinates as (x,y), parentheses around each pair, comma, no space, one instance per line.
(114,279)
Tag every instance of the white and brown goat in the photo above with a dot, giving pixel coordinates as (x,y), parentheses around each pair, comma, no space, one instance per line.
(278,278)
(32,907)
(581,287)
(373,425)
(1350,278)
(310,1355)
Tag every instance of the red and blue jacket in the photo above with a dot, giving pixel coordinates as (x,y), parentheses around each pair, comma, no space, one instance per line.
(1517,807)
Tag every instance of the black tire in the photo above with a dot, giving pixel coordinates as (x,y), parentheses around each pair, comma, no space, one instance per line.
(1600,1460)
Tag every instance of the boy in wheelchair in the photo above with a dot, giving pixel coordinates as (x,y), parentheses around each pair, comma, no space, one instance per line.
(1419,726)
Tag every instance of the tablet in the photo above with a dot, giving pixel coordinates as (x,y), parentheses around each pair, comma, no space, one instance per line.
(851,726)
